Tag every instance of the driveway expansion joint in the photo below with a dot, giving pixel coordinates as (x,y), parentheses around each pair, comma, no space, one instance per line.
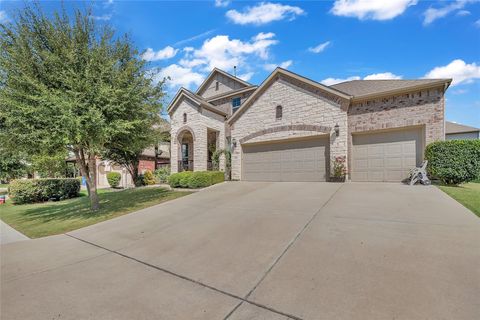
(289,245)
(242,300)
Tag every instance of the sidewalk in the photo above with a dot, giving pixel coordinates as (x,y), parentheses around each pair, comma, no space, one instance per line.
(8,234)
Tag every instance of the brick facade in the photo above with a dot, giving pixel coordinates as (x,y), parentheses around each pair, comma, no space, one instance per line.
(422,108)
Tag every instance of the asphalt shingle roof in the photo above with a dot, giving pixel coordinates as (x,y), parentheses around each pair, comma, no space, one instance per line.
(358,88)
(452,127)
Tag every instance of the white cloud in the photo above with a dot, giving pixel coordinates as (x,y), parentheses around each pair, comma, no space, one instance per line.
(460,91)
(463,13)
(224,53)
(195,37)
(271,66)
(264,13)
(103,17)
(162,54)
(320,47)
(191,63)
(180,76)
(432,14)
(374,76)
(246,76)
(382,76)
(3,17)
(477,23)
(458,70)
(331,81)
(371,9)
(222,3)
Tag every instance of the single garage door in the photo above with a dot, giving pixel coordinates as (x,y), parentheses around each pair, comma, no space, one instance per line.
(302,160)
(386,156)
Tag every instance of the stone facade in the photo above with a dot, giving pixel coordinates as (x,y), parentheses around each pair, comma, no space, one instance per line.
(422,108)
(308,110)
(199,120)
(219,84)
(302,105)
(225,104)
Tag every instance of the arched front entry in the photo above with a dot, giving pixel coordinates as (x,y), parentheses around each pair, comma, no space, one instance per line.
(185,150)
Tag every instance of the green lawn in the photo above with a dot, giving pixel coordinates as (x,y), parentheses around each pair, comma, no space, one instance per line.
(467,194)
(44,219)
(3,186)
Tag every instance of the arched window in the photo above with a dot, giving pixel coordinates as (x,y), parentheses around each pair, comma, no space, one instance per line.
(278,112)
(184,118)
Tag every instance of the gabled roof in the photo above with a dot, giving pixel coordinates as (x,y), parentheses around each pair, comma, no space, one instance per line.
(289,74)
(452,127)
(231,93)
(195,98)
(361,89)
(226,74)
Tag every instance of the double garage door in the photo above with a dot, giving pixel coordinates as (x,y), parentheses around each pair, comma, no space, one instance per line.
(386,156)
(300,160)
(381,156)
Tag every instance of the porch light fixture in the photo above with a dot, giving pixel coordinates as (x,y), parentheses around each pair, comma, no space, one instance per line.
(234,142)
(337,130)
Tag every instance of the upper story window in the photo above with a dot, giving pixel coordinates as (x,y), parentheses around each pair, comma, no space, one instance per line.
(278,112)
(184,118)
(236,102)
(216,85)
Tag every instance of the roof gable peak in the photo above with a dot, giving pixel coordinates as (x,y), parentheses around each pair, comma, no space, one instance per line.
(214,73)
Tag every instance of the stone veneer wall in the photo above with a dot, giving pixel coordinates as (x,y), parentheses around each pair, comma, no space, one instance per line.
(422,108)
(198,120)
(302,105)
(226,103)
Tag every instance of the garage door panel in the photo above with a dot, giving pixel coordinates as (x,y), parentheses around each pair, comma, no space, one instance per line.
(303,160)
(375,163)
(376,176)
(386,156)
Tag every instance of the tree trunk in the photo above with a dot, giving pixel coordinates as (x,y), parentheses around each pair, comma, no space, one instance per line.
(133,170)
(88,170)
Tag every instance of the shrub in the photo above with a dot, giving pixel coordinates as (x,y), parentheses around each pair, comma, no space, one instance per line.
(140,181)
(161,174)
(148,178)
(199,180)
(195,179)
(454,161)
(339,169)
(39,190)
(113,179)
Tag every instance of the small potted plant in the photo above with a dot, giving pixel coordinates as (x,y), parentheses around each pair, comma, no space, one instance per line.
(339,169)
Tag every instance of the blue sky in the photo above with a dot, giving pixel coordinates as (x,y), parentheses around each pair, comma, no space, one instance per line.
(327,41)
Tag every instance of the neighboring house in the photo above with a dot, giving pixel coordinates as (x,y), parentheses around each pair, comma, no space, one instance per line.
(457,131)
(150,159)
(291,128)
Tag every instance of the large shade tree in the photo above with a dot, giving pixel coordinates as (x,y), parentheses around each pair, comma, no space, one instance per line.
(68,84)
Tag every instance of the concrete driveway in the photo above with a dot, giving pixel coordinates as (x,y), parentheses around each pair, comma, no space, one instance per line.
(258,251)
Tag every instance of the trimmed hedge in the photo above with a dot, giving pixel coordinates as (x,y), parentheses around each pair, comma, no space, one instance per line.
(114,178)
(454,161)
(39,190)
(195,179)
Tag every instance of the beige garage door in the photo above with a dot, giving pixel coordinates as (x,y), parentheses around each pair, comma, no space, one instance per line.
(303,160)
(386,156)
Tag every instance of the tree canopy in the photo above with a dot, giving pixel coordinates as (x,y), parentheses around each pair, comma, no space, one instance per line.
(68,84)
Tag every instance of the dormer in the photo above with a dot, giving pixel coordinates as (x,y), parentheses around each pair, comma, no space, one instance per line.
(219,83)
